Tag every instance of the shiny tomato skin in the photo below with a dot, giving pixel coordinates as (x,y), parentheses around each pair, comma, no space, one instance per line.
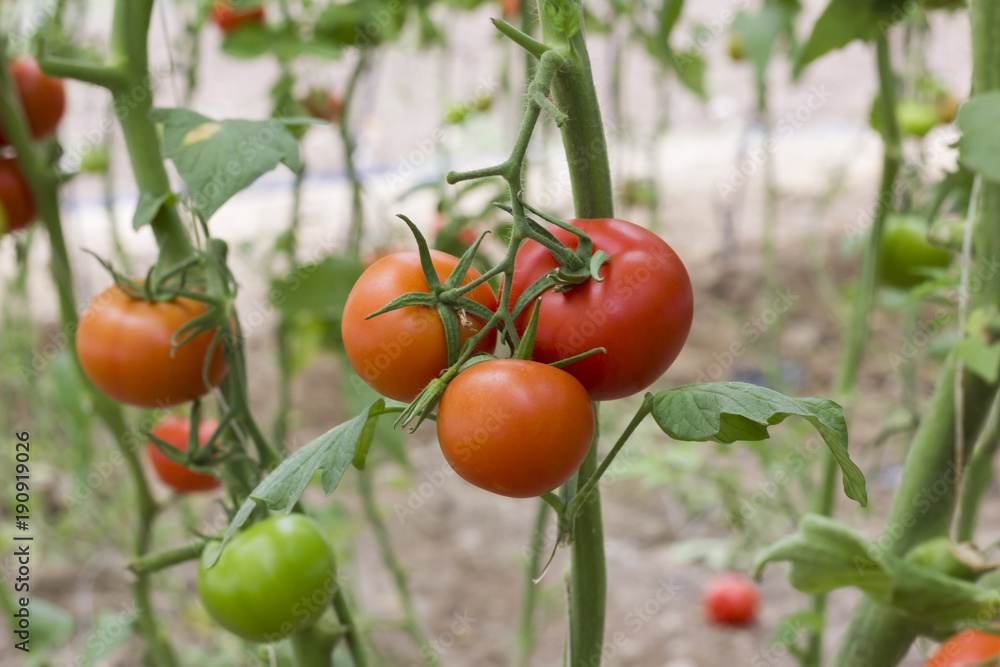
(515,428)
(399,352)
(967,648)
(125,349)
(731,599)
(641,313)
(43,97)
(17,204)
(176,431)
(272,579)
(229,18)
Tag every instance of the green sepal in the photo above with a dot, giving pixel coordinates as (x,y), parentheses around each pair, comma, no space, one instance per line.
(527,345)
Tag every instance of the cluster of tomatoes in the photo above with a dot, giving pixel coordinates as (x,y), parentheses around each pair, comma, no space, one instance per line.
(43,99)
(516,427)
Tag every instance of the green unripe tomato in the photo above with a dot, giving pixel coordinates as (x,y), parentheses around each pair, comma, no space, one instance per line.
(906,252)
(456,114)
(737,51)
(916,118)
(272,580)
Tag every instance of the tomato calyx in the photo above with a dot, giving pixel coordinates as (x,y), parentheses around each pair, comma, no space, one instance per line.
(196,457)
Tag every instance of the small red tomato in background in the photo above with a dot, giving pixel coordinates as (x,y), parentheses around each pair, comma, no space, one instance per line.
(731,599)
(398,353)
(323,105)
(966,649)
(230,18)
(515,428)
(17,205)
(126,349)
(510,8)
(640,313)
(43,97)
(176,431)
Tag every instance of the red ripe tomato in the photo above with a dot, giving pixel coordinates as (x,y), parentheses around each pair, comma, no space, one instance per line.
(43,97)
(17,205)
(176,431)
(516,428)
(641,313)
(966,649)
(126,350)
(510,8)
(731,599)
(323,105)
(399,352)
(229,18)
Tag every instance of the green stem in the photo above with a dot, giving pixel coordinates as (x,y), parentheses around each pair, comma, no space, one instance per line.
(44,187)
(588,570)
(396,570)
(313,647)
(590,174)
(526,634)
(877,636)
(978,478)
(161,560)
(133,103)
(347,139)
(355,644)
(857,333)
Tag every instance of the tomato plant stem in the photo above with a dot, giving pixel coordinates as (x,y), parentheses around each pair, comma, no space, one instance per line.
(590,175)
(858,330)
(355,643)
(978,479)
(161,560)
(526,635)
(347,139)
(44,186)
(878,636)
(411,620)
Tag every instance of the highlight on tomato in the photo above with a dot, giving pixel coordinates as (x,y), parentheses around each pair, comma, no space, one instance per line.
(731,599)
(176,431)
(969,648)
(42,97)
(640,313)
(17,204)
(399,352)
(272,579)
(515,428)
(230,18)
(126,348)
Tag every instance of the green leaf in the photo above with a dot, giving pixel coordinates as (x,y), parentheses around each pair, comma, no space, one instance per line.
(979,349)
(842,22)
(979,147)
(564,15)
(218,159)
(148,208)
(51,626)
(332,452)
(826,554)
(690,66)
(759,31)
(670,13)
(733,411)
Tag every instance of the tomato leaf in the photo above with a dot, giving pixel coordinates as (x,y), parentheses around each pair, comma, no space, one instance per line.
(979,349)
(148,208)
(758,32)
(826,554)
(690,66)
(979,147)
(732,411)
(320,289)
(842,22)
(332,452)
(565,15)
(218,159)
